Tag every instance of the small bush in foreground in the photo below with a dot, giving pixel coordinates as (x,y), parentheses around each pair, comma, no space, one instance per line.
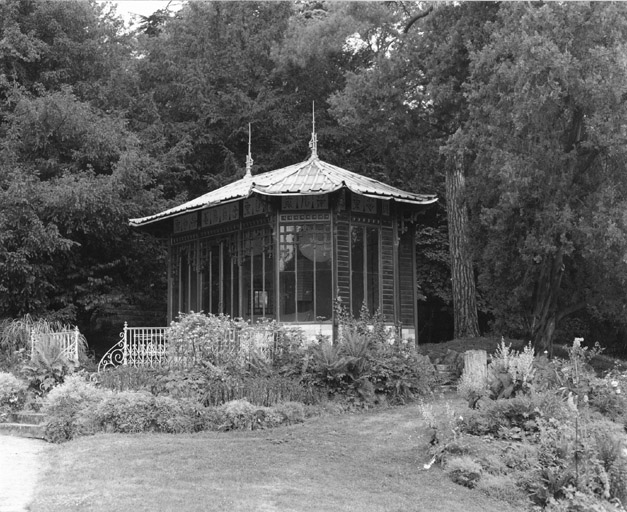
(513,416)
(48,367)
(464,471)
(12,393)
(242,415)
(132,412)
(65,404)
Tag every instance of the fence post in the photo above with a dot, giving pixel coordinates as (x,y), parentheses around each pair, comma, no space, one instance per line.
(125,348)
(76,335)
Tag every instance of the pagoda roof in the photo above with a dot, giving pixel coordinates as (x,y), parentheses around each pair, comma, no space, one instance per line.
(311,177)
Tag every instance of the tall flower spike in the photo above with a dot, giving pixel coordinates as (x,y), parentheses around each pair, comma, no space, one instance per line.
(313,143)
(249,157)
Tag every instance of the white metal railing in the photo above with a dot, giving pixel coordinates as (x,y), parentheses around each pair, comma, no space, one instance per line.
(148,347)
(139,347)
(68,341)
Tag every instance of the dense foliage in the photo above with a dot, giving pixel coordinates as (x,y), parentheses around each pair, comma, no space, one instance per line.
(548,434)
(510,112)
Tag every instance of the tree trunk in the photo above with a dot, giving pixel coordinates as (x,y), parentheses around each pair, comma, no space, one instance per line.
(545,298)
(476,367)
(462,275)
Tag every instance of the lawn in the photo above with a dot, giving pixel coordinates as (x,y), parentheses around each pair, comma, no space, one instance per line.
(370,461)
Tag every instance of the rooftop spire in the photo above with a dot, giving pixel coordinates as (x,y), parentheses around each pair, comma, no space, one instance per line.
(313,143)
(249,157)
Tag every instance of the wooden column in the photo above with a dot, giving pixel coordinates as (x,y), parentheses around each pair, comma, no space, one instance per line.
(414,282)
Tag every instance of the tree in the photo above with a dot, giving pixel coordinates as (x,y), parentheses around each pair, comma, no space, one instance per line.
(204,77)
(71,173)
(547,96)
(415,89)
(47,44)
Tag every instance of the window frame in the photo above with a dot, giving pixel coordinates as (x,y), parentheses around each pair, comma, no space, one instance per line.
(364,226)
(295,220)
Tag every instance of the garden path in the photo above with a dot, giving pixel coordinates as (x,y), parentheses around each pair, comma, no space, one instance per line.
(20,463)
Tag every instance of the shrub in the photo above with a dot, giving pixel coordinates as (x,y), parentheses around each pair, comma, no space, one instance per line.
(214,387)
(290,352)
(464,471)
(48,366)
(64,405)
(195,338)
(363,366)
(12,393)
(576,460)
(513,417)
(606,396)
(135,412)
(262,391)
(128,378)
(344,368)
(510,372)
(610,452)
(575,375)
(239,415)
(443,424)
(242,415)
(290,412)
(400,372)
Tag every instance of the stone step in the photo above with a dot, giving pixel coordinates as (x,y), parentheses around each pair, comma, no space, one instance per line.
(23,430)
(29,417)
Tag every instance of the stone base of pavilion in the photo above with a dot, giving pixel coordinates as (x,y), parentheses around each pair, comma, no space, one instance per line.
(311,332)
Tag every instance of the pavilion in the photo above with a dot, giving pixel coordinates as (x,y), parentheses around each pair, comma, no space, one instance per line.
(286,244)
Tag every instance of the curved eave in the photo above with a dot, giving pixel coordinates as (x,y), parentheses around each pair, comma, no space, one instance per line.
(200,203)
(311,177)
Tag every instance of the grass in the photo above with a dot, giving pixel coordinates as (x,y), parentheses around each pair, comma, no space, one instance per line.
(357,462)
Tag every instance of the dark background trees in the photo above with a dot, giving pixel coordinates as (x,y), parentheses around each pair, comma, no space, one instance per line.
(511,113)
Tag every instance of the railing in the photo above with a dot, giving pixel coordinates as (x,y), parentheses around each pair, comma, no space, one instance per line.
(148,347)
(139,347)
(67,340)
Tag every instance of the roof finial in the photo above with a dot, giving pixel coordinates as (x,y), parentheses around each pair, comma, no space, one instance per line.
(249,157)
(313,143)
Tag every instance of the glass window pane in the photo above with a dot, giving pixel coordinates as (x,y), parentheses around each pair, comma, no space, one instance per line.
(227,281)
(247,291)
(324,290)
(357,269)
(234,289)
(269,286)
(214,281)
(287,293)
(175,281)
(304,282)
(184,284)
(372,269)
(305,271)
